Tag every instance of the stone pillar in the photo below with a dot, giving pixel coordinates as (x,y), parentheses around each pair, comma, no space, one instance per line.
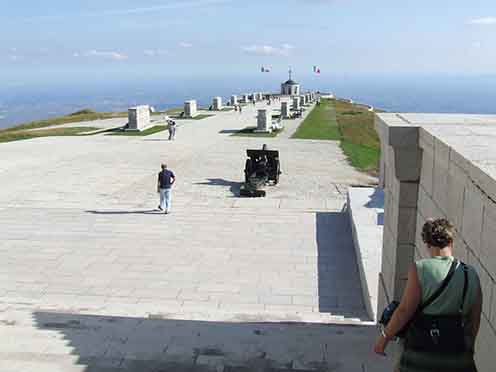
(302,100)
(139,117)
(244,98)
(401,160)
(264,121)
(234,100)
(190,109)
(217,104)
(296,103)
(284,110)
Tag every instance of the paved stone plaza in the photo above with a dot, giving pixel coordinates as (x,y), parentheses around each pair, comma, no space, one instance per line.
(94,278)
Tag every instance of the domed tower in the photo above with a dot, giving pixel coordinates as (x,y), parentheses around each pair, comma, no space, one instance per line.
(290,87)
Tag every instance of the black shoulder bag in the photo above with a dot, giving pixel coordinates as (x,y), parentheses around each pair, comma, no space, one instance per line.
(388,312)
(439,333)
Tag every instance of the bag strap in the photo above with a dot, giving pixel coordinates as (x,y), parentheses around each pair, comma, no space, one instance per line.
(441,288)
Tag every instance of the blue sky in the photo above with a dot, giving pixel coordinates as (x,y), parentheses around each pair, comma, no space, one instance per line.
(58,40)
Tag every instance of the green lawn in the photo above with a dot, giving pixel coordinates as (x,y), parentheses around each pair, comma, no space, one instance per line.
(320,124)
(79,116)
(250,132)
(352,125)
(359,139)
(17,135)
(146,132)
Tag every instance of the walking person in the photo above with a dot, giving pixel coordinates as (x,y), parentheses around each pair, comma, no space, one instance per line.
(172,130)
(166,179)
(441,309)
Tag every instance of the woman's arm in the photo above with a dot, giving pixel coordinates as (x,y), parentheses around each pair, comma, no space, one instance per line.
(407,308)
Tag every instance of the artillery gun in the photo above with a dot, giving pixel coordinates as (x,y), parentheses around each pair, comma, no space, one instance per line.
(262,168)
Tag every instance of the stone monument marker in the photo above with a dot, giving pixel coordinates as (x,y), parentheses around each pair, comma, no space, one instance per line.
(264,121)
(296,103)
(302,101)
(217,104)
(284,110)
(234,100)
(190,109)
(139,117)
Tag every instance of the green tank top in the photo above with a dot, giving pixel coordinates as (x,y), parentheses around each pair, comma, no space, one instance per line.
(431,273)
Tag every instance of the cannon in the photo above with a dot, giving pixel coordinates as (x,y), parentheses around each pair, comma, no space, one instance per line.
(262,168)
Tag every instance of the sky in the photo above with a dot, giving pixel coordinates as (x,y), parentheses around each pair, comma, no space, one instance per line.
(60,41)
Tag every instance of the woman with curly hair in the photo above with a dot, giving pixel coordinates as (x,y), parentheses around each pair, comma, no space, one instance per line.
(425,277)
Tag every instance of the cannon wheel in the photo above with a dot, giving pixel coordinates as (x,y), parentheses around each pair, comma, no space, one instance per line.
(278,172)
(247,169)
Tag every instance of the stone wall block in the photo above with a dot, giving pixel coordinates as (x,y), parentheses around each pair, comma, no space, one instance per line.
(472,217)
(488,236)
(407,162)
(427,172)
(460,248)
(493,306)
(427,207)
(485,179)
(404,258)
(487,284)
(404,136)
(408,194)
(440,174)
(426,139)
(407,220)
(421,248)
(484,346)
(455,193)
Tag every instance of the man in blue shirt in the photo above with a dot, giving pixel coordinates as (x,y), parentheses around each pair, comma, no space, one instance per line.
(165,181)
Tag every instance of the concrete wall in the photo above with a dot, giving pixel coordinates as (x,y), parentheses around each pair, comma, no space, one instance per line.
(435,170)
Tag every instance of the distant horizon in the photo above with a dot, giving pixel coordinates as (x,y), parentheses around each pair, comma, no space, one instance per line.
(443,94)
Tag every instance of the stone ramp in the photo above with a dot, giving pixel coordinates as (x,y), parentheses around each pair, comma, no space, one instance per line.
(54,341)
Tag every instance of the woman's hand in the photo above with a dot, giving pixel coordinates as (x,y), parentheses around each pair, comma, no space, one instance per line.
(380,345)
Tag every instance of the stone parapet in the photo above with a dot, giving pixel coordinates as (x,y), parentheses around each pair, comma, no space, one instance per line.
(440,166)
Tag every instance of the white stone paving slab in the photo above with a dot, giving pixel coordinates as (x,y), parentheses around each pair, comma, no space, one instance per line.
(80,235)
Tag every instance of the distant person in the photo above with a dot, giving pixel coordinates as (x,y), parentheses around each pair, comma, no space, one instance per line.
(166,179)
(426,301)
(172,130)
(240,109)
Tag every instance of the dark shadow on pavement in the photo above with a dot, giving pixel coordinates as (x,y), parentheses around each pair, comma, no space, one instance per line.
(97,343)
(229,131)
(234,186)
(148,211)
(340,290)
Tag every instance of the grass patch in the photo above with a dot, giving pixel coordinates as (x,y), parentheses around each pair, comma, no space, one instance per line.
(146,132)
(250,132)
(78,116)
(17,135)
(320,124)
(359,139)
(352,125)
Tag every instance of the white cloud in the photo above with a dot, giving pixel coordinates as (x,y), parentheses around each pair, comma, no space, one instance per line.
(184,44)
(477,44)
(268,50)
(155,52)
(102,54)
(172,5)
(482,21)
